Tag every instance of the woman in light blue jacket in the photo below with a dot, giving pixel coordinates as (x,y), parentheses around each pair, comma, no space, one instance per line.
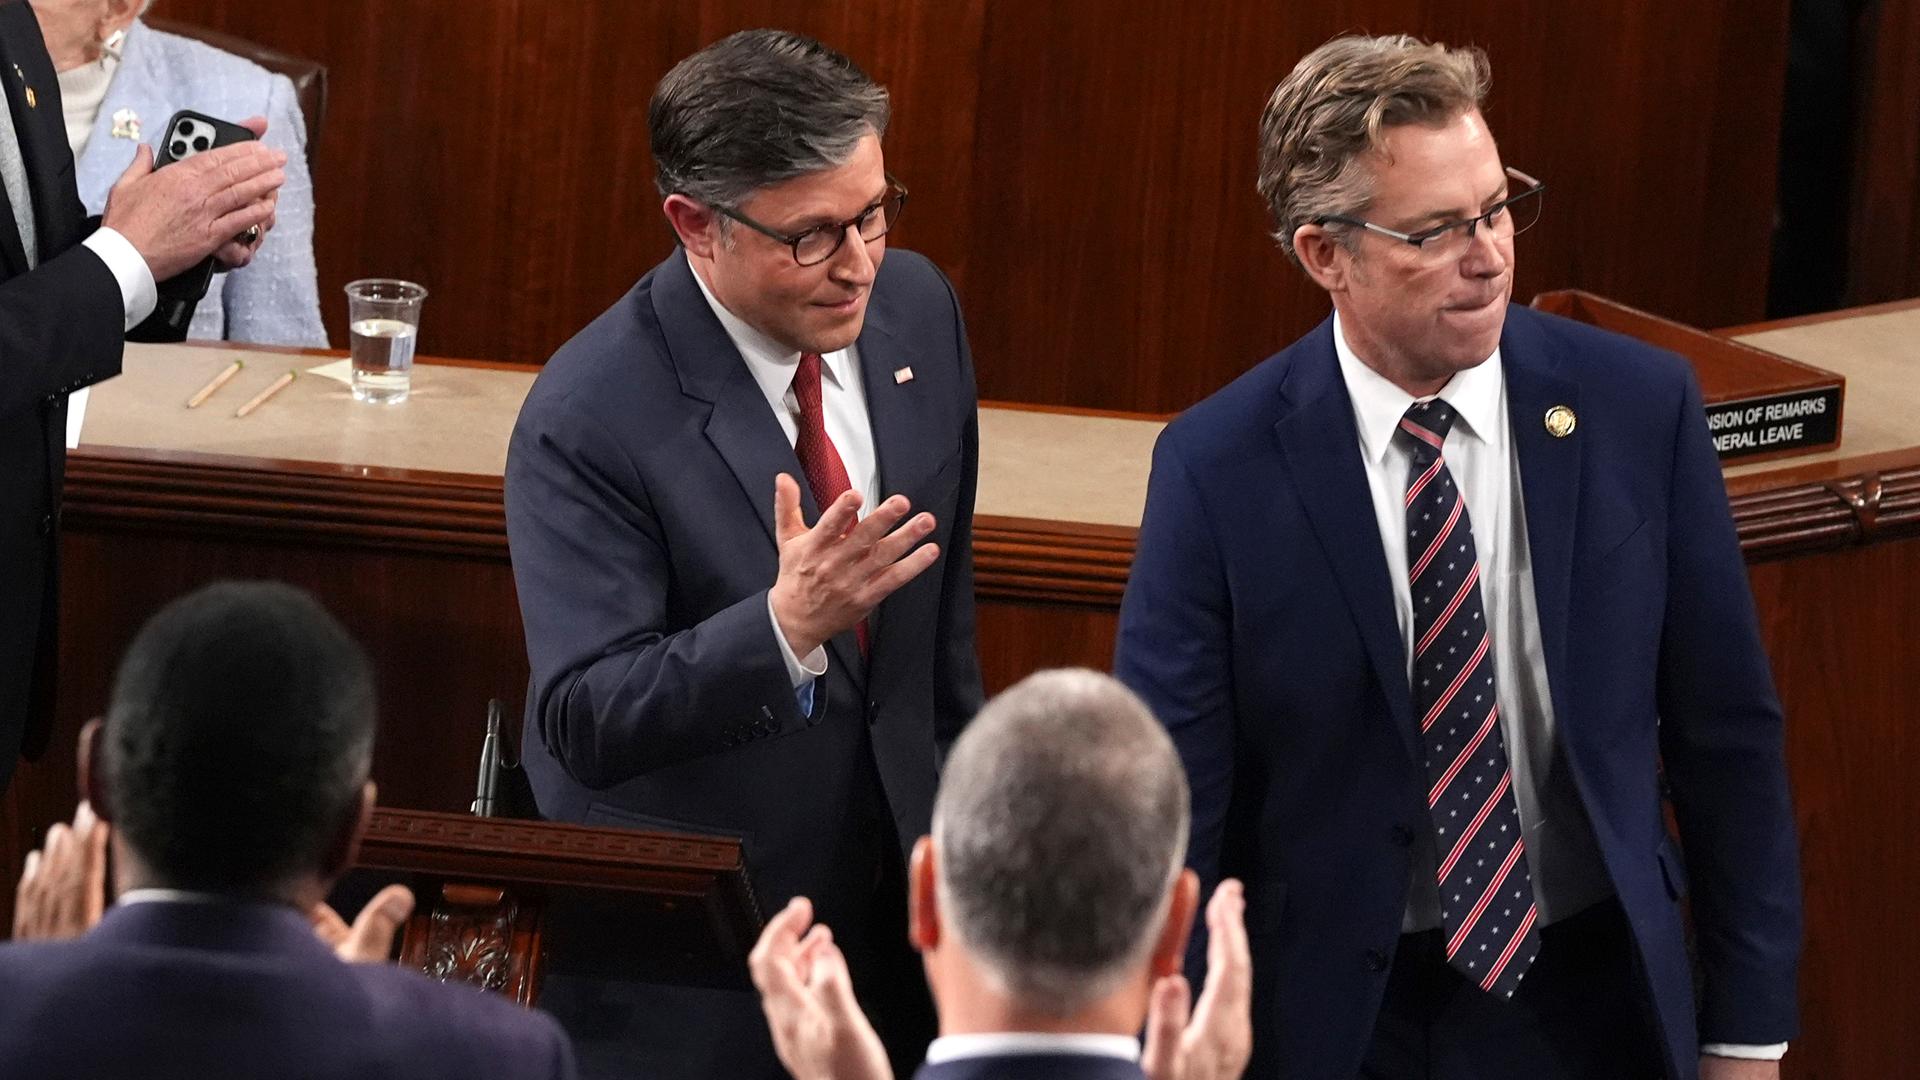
(120,81)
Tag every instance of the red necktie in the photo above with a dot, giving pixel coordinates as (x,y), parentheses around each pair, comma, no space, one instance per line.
(826,473)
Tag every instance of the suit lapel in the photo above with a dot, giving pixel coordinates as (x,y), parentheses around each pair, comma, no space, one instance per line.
(1549,478)
(11,27)
(741,428)
(42,133)
(903,461)
(1321,448)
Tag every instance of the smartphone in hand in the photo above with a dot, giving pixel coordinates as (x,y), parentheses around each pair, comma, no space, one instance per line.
(187,134)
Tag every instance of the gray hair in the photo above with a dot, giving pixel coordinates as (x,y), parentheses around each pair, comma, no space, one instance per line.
(1337,104)
(1060,827)
(756,108)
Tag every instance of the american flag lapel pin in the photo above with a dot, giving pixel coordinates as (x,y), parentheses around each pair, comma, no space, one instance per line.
(902,376)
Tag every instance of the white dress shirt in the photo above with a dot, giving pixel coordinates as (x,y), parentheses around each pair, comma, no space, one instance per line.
(843,398)
(1006,1044)
(1568,874)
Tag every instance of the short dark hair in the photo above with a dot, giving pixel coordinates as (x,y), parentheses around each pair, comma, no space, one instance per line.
(756,108)
(238,738)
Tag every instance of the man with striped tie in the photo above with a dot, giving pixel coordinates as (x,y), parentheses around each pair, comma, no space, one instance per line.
(1438,603)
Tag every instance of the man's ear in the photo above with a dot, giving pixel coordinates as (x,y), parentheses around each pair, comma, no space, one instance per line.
(695,223)
(93,769)
(1170,951)
(345,846)
(1325,259)
(923,904)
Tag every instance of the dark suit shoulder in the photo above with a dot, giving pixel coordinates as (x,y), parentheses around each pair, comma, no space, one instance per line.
(911,271)
(620,353)
(458,1024)
(1602,358)
(199,1009)
(913,300)
(1225,424)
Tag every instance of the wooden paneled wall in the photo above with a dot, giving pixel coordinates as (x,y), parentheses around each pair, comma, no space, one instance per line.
(1884,248)
(1084,169)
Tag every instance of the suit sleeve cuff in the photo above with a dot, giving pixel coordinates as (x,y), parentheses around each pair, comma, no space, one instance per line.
(138,291)
(799,672)
(1771,1052)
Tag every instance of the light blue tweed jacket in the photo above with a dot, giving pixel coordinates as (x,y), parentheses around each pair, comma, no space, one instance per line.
(275,299)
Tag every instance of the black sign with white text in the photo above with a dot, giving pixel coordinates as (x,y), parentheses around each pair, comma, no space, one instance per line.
(1791,421)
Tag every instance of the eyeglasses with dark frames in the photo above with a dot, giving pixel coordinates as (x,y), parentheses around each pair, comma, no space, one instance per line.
(813,246)
(1510,216)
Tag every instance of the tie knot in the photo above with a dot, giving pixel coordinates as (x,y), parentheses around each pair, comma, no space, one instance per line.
(1426,424)
(806,380)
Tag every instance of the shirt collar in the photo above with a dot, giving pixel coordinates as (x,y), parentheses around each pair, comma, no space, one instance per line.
(171,896)
(1007,1043)
(1477,394)
(773,365)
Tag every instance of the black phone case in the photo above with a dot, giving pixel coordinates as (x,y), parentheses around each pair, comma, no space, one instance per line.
(186,134)
(176,144)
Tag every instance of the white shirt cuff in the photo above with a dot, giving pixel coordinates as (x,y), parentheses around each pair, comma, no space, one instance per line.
(138,292)
(1772,1052)
(799,672)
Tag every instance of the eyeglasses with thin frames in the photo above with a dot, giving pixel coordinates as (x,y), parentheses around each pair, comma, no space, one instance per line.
(1509,217)
(813,246)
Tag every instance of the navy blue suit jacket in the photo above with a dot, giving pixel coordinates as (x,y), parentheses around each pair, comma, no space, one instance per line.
(210,991)
(1033,1067)
(1259,626)
(639,497)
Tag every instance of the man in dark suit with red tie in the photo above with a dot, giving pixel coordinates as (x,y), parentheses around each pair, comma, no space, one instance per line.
(72,290)
(703,660)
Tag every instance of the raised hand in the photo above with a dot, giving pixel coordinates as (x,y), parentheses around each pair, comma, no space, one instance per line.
(63,887)
(370,939)
(818,1029)
(189,210)
(1213,1039)
(834,574)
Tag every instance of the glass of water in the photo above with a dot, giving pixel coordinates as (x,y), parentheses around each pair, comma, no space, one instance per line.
(383,321)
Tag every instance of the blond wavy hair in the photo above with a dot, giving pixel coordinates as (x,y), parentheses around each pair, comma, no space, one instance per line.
(1337,104)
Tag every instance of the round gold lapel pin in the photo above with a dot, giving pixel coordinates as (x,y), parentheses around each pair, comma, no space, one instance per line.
(1561,421)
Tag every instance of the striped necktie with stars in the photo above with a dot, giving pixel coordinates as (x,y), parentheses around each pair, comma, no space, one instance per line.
(1486,889)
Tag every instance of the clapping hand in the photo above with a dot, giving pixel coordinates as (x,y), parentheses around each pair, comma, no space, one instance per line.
(1213,1039)
(204,205)
(370,939)
(805,990)
(63,886)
